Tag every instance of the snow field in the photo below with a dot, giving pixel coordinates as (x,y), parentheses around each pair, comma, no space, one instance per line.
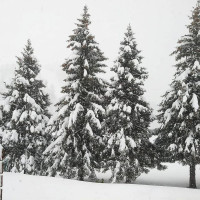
(26,187)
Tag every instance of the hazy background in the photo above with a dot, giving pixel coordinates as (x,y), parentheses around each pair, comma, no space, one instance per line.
(157,25)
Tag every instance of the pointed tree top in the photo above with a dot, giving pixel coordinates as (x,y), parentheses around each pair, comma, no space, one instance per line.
(28,47)
(129,27)
(197,7)
(129,34)
(198,3)
(29,42)
(85,12)
(85,20)
(194,26)
(85,9)
(28,60)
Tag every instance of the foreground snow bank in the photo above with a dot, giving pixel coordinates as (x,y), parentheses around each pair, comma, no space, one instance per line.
(26,187)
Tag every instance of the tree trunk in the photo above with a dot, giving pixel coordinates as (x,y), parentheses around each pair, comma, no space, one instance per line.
(80,174)
(192,175)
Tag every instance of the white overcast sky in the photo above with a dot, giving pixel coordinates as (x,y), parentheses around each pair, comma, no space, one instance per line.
(157,25)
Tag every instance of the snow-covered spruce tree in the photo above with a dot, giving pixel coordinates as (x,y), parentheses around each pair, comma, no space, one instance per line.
(24,116)
(179,113)
(76,126)
(128,151)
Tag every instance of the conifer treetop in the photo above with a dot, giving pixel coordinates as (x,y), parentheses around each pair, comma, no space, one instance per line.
(27,64)
(188,49)
(85,20)
(128,67)
(86,59)
(129,40)
(195,18)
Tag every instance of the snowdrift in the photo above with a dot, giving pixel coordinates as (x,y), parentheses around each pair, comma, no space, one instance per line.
(26,187)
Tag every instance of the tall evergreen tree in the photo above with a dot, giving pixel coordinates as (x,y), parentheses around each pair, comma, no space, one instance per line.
(76,126)
(128,151)
(24,115)
(179,113)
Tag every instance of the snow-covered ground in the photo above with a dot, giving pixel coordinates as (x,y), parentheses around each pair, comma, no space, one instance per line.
(26,187)
(175,175)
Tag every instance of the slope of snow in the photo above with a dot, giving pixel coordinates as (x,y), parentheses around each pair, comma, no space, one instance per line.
(26,187)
